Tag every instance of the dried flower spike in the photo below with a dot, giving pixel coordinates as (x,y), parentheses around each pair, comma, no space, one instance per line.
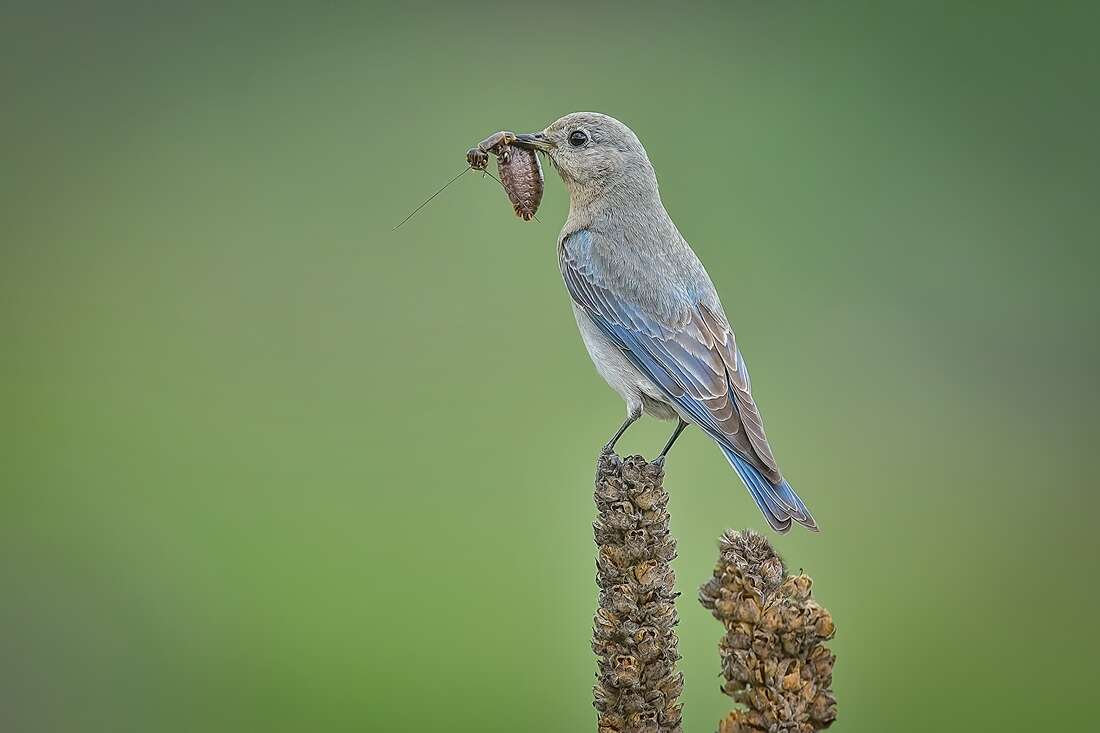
(773,654)
(638,687)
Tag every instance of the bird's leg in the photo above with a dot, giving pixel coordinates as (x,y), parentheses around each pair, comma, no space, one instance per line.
(675,434)
(631,418)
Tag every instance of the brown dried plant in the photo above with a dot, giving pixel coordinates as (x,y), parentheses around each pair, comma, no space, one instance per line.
(638,687)
(773,653)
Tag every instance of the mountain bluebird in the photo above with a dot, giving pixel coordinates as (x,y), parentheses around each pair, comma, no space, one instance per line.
(647,310)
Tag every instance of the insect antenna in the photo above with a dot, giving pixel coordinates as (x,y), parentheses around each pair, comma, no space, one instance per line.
(418,208)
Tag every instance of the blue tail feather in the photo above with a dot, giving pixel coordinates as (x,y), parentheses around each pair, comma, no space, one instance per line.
(800,513)
(779,503)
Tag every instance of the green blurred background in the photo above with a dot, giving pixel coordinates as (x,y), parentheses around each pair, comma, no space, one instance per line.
(270,465)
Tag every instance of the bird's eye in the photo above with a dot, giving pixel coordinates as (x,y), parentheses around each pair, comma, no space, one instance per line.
(578,138)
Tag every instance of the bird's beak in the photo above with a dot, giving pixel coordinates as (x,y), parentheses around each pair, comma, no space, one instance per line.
(534,141)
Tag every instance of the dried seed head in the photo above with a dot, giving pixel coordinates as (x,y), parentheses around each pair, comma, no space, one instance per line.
(636,647)
(773,654)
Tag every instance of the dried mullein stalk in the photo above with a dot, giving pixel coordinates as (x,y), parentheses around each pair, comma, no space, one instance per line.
(773,654)
(638,687)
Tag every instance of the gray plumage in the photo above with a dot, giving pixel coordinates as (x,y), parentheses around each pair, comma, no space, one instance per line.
(647,311)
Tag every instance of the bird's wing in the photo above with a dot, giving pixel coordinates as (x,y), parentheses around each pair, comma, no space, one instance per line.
(690,355)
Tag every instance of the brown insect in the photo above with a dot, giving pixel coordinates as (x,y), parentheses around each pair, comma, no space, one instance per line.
(519,169)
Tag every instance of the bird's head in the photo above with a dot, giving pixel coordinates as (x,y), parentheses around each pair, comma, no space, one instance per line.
(595,155)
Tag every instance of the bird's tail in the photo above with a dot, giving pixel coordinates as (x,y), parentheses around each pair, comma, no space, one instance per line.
(778,502)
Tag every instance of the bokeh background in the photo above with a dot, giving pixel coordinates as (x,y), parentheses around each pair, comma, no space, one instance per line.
(270,465)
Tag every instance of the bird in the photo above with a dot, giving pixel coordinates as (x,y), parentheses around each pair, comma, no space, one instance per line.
(648,312)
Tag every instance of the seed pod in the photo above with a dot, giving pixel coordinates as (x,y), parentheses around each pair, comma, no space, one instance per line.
(521,174)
